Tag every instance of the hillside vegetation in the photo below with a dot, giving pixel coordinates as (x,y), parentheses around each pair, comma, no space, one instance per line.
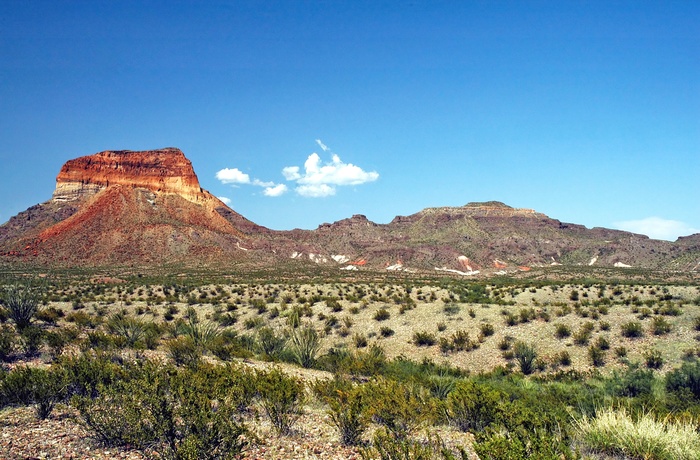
(215,366)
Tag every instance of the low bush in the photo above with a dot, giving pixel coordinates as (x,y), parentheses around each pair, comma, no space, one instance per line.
(472,406)
(424,339)
(398,407)
(632,329)
(281,397)
(347,408)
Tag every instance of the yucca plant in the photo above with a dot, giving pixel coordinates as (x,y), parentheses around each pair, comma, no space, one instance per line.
(304,345)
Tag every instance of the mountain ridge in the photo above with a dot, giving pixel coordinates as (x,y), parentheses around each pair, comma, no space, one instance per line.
(148,208)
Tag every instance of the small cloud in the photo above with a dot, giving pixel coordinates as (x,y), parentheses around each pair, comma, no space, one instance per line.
(233,176)
(315,190)
(260,183)
(322,145)
(657,228)
(275,190)
(224,200)
(321,179)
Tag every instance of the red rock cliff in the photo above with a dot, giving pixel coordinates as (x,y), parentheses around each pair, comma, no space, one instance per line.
(164,170)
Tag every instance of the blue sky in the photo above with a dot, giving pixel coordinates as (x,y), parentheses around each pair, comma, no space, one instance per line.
(586,111)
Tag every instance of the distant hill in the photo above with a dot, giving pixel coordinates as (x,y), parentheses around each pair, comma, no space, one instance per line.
(147,209)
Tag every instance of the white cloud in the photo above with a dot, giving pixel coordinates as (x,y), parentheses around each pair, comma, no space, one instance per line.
(291,173)
(322,145)
(334,173)
(275,190)
(319,179)
(657,228)
(233,176)
(315,190)
(224,199)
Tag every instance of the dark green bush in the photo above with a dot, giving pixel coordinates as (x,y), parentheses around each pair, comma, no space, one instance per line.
(382,314)
(32,385)
(632,329)
(165,410)
(424,339)
(685,380)
(659,326)
(184,352)
(304,345)
(399,407)
(562,331)
(270,343)
(7,342)
(473,406)
(596,355)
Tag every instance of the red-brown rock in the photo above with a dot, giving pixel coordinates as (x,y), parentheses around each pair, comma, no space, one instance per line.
(163,170)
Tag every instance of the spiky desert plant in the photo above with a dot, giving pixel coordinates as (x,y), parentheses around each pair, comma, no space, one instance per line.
(305,343)
(22,303)
(526,356)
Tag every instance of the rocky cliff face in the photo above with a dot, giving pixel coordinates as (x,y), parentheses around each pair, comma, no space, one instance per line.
(164,171)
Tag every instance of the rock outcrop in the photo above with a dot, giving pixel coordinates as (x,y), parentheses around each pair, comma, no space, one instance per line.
(164,170)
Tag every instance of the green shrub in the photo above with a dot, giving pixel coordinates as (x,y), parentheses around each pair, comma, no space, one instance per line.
(347,408)
(653,359)
(386,331)
(270,343)
(7,343)
(685,380)
(562,331)
(472,406)
(282,398)
(382,314)
(31,339)
(659,326)
(424,339)
(596,355)
(32,385)
(184,352)
(487,329)
(633,383)
(164,410)
(399,407)
(385,446)
(632,329)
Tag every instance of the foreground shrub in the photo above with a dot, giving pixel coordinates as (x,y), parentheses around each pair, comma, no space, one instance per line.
(615,432)
(282,398)
(347,408)
(165,410)
(399,407)
(472,406)
(387,447)
(632,329)
(685,381)
(34,386)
